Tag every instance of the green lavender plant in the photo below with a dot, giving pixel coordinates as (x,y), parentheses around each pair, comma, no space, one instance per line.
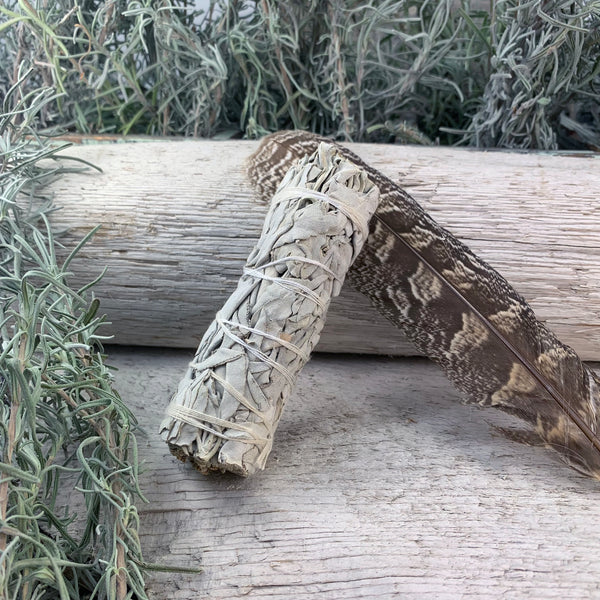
(68,470)
(505,73)
(544,64)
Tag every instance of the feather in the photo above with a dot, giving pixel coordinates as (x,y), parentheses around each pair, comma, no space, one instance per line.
(461,313)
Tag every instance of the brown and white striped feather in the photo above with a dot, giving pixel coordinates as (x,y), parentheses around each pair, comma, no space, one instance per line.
(460,312)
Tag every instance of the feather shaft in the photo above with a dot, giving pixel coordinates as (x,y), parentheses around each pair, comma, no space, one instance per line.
(556,396)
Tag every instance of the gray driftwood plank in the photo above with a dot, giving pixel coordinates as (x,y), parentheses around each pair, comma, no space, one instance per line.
(179,221)
(381,485)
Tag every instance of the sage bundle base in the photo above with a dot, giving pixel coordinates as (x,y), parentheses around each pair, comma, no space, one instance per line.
(462,313)
(227,407)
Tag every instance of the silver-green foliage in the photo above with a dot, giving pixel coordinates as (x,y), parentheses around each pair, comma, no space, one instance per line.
(68,471)
(522,74)
(544,69)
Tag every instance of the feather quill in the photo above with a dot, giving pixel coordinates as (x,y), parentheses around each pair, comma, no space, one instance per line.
(461,313)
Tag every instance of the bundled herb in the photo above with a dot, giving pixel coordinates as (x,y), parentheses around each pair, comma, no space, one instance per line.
(227,407)
(505,73)
(68,524)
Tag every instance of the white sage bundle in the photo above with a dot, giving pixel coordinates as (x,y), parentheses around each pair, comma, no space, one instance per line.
(227,407)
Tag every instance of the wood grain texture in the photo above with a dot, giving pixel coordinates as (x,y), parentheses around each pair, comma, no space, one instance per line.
(381,485)
(179,221)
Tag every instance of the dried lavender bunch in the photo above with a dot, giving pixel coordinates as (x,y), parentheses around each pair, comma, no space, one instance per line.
(68,483)
(543,76)
(162,67)
(416,71)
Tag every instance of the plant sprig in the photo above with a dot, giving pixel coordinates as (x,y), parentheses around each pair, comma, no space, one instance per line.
(68,470)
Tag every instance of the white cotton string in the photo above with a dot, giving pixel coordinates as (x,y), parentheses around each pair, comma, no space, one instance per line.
(289,284)
(357,218)
(264,334)
(302,259)
(261,355)
(239,396)
(199,419)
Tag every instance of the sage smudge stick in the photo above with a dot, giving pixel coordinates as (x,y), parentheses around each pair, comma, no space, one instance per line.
(227,407)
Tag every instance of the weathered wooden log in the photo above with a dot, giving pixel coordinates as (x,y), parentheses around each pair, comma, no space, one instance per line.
(178,220)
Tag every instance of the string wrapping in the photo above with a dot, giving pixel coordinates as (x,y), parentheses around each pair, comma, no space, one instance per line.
(225,411)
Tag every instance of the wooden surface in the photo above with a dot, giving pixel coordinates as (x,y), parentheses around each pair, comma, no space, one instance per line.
(381,485)
(179,221)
